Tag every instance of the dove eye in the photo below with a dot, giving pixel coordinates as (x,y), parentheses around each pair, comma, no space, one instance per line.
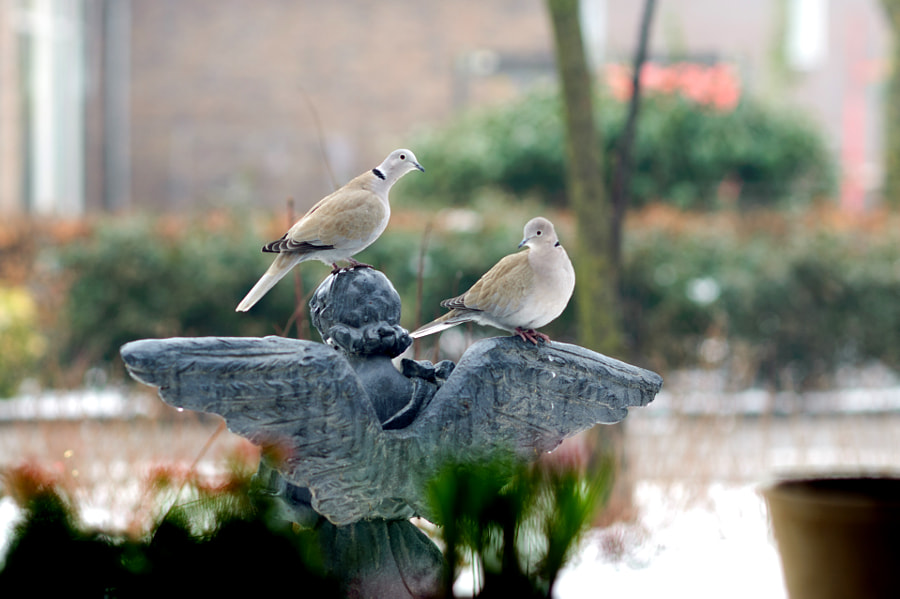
(539,233)
(402,156)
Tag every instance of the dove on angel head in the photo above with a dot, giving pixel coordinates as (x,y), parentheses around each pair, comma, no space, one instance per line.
(338,226)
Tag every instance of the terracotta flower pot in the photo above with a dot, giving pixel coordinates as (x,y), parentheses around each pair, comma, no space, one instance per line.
(838,537)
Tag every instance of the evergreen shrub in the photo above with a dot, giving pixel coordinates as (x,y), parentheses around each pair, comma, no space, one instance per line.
(793,297)
(691,155)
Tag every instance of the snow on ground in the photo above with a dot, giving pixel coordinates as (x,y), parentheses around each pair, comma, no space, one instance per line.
(9,515)
(696,461)
(720,549)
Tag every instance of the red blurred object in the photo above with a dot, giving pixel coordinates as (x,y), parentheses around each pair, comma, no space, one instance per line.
(716,85)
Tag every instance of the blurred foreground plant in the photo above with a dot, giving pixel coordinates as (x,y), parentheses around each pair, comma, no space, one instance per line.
(225,539)
(219,544)
(520,524)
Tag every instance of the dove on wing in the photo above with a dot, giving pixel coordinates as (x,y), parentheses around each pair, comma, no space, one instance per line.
(521,293)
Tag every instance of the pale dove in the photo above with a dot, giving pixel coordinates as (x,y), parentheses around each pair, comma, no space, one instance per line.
(338,226)
(521,293)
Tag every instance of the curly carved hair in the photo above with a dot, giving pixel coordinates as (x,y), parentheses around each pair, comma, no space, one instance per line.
(358,310)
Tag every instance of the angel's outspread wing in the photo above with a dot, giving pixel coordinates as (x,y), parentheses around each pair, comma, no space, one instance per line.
(509,393)
(300,395)
(505,395)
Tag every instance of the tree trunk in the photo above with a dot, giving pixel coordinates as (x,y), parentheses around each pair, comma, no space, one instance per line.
(598,314)
(891,189)
(622,175)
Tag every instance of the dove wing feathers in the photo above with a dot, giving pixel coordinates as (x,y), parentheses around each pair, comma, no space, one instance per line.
(501,291)
(348,215)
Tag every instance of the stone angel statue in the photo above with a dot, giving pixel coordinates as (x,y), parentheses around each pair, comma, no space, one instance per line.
(361,438)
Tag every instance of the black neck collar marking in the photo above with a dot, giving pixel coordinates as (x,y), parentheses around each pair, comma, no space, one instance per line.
(378,173)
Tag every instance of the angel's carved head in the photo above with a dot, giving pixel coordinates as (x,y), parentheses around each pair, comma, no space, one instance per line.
(358,311)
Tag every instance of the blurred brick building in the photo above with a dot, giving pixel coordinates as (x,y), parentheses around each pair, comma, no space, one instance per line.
(184,104)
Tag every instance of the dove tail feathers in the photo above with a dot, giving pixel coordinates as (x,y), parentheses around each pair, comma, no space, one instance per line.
(436,326)
(280,267)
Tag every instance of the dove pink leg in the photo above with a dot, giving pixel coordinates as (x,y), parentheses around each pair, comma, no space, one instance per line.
(531,335)
(355,264)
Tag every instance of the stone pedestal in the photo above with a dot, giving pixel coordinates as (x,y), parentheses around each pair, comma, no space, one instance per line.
(361,439)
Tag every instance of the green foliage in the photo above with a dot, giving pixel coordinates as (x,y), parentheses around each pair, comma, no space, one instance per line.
(791,297)
(519,523)
(22,343)
(134,279)
(683,153)
(229,540)
(518,148)
(240,550)
(139,278)
(791,301)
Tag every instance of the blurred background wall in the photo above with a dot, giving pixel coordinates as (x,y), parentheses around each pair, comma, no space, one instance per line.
(164,105)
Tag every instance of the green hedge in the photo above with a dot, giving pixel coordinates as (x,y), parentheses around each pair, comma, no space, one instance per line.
(135,279)
(792,298)
(683,152)
(793,301)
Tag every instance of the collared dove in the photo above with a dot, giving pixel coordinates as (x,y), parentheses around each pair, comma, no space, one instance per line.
(521,293)
(337,226)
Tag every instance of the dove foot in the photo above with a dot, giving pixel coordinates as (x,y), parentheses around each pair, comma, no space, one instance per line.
(335,269)
(532,335)
(355,264)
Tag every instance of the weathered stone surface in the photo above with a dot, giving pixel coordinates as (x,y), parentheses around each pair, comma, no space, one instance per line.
(504,395)
(362,439)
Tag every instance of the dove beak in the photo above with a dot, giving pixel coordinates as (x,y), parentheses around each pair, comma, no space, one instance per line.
(419,166)
(524,241)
